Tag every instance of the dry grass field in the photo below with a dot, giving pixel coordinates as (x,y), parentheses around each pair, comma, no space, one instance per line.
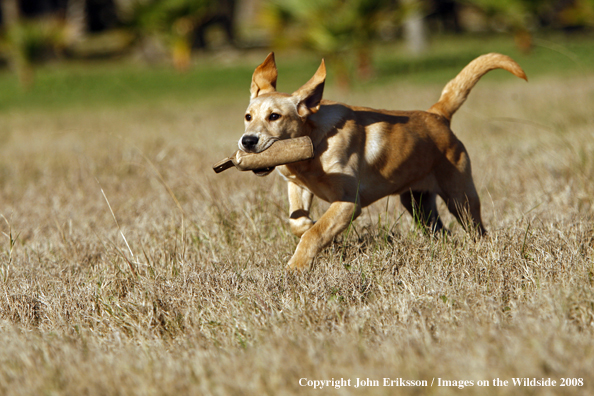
(128,267)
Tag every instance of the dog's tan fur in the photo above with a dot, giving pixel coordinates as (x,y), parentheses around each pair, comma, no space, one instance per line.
(363,154)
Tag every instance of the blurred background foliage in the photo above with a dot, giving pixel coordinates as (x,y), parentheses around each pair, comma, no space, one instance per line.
(335,29)
(177,32)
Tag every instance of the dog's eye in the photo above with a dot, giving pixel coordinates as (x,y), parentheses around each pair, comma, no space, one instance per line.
(274,116)
(248,117)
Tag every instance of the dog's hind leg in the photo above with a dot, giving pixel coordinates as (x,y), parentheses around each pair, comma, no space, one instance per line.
(462,200)
(466,207)
(422,206)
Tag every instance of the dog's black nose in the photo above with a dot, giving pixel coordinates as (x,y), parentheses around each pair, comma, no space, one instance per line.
(249,142)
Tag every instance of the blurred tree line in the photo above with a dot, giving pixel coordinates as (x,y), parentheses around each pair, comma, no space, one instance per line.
(33,31)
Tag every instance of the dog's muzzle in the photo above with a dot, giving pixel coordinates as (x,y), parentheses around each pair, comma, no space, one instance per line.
(249,143)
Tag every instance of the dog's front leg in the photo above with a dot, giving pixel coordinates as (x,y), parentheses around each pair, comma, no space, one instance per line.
(299,205)
(336,219)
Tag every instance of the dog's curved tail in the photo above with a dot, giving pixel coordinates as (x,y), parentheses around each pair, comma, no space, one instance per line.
(456,91)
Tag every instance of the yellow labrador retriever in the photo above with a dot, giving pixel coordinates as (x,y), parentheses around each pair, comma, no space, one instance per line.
(364,154)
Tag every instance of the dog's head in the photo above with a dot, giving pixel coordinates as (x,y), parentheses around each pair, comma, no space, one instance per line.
(272,115)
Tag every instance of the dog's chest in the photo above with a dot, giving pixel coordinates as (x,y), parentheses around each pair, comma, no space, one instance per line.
(311,178)
(326,176)
(299,175)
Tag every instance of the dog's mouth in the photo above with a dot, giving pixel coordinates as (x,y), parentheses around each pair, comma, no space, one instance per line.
(255,143)
(263,171)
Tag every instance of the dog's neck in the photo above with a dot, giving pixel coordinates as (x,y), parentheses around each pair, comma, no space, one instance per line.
(329,117)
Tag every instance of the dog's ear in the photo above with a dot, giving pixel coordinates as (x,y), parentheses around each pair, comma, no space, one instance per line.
(310,94)
(264,78)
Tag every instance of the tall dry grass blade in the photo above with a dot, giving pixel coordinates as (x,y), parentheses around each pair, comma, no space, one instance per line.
(119,229)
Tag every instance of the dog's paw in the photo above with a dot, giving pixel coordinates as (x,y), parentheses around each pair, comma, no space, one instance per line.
(300,225)
(297,264)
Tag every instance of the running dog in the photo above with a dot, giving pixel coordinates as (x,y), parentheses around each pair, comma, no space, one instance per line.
(364,154)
